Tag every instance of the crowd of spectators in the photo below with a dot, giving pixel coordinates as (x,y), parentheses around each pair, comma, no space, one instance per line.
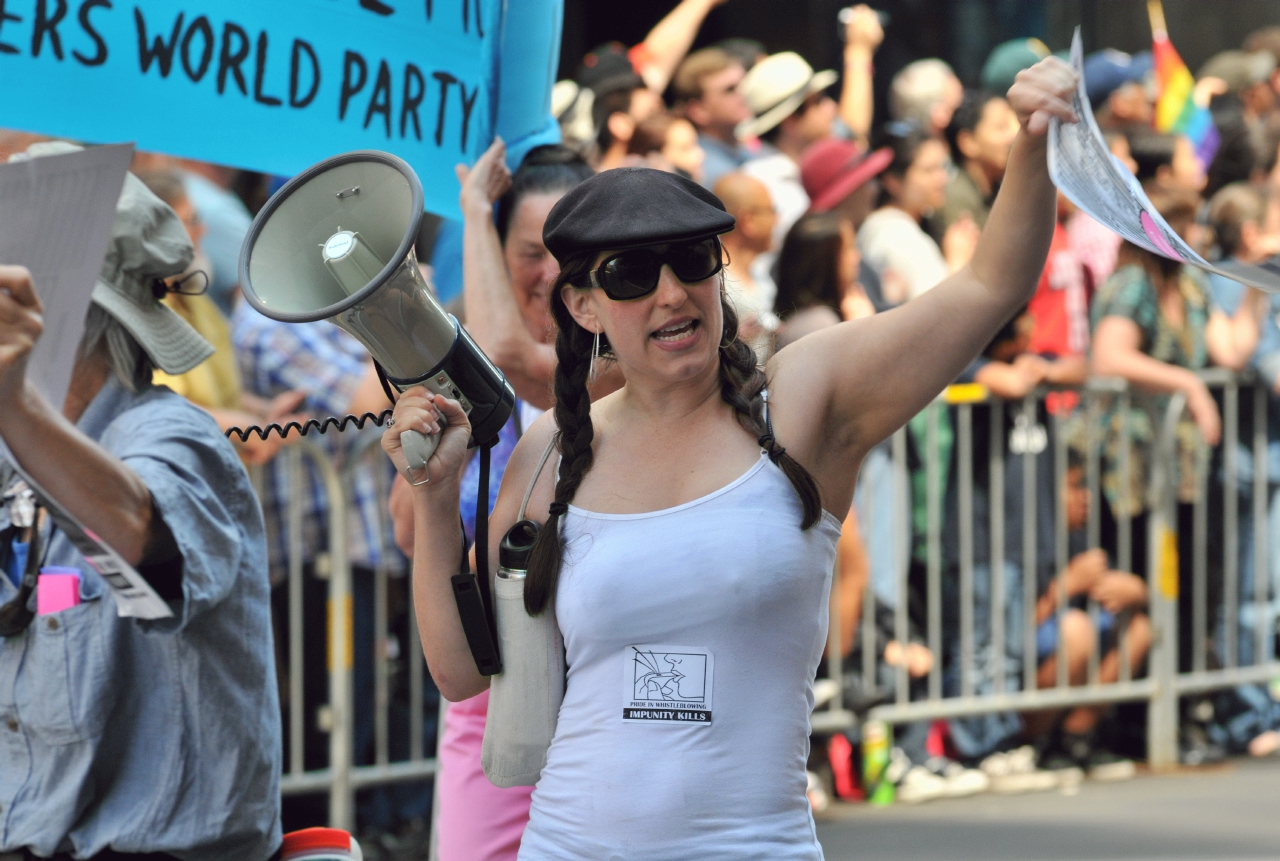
(840,214)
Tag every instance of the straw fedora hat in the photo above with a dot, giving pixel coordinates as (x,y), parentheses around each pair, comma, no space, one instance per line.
(775,87)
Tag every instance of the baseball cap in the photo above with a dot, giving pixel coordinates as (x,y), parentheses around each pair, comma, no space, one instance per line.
(1108,70)
(1008,59)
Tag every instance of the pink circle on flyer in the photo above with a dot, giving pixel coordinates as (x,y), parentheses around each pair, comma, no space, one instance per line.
(1157,237)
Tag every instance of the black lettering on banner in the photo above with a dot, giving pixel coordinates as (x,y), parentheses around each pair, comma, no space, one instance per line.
(230,60)
(467,105)
(7,16)
(295,64)
(157,51)
(100,54)
(45,23)
(380,101)
(466,15)
(351,60)
(260,72)
(202,28)
(376,7)
(429,9)
(445,80)
(413,96)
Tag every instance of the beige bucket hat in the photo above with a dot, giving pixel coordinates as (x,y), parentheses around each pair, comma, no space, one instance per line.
(775,87)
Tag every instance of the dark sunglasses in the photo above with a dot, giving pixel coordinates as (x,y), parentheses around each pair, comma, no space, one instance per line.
(634,274)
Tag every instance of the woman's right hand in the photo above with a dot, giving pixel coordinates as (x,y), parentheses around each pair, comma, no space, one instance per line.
(420,410)
(1204,412)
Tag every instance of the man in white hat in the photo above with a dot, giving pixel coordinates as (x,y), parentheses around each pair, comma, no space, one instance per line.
(790,111)
(119,738)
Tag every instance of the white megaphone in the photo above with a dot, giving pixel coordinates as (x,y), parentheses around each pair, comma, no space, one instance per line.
(336,242)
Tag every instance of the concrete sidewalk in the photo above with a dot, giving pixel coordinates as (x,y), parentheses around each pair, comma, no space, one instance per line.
(1231,811)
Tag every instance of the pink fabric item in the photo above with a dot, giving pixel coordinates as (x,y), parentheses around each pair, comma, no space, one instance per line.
(57,589)
(478,821)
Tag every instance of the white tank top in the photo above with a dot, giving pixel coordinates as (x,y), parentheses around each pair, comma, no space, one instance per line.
(692,635)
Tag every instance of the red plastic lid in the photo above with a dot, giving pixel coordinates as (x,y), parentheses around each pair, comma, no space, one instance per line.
(310,839)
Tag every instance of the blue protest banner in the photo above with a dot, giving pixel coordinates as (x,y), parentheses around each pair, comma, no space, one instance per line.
(277,85)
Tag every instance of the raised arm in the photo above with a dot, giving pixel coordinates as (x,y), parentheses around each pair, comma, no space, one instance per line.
(670,39)
(841,390)
(493,317)
(863,34)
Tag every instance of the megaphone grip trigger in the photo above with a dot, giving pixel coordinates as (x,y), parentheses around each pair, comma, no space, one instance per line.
(418,447)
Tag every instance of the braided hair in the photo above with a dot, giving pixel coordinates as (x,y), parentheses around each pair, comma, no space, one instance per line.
(742,384)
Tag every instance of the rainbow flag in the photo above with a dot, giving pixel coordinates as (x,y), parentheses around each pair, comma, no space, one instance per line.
(1176,108)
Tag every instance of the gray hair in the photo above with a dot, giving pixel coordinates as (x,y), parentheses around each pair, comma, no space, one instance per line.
(129,362)
(917,88)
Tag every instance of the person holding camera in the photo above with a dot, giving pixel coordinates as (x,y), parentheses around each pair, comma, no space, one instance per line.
(123,738)
(690,522)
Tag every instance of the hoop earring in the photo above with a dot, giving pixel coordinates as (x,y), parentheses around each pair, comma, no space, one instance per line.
(595,351)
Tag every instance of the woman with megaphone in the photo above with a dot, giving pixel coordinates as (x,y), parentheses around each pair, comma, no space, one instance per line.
(690,521)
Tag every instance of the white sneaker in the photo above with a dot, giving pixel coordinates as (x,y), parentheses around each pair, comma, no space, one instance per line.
(1016,771)
(819,800)
(920,784)
(963,781)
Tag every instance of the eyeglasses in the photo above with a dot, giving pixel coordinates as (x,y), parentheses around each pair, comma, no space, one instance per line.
(192,284)
(634,274)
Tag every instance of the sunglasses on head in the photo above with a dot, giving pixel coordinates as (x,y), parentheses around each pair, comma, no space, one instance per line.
(634,274)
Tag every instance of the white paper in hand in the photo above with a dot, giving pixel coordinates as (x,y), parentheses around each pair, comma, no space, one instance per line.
(1083,168)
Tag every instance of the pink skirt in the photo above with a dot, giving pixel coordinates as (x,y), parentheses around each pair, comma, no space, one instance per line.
(478,821)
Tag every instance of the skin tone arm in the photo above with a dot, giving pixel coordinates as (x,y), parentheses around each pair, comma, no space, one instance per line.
(843,389)
(493,318)
(1117,352)
(1232,340)
(670,39)
(94,486)
(863,34)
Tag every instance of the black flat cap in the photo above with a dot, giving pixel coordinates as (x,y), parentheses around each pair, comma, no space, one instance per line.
(629,207)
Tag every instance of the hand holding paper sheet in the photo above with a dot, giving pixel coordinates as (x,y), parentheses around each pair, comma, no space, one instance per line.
(1083,169)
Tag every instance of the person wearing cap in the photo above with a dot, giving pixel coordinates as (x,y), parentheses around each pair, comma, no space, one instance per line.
(126,738)
(791,111)
(1115,83)
(690,520)
(1009,58)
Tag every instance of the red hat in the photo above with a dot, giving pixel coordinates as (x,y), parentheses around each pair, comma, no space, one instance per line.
(832,169)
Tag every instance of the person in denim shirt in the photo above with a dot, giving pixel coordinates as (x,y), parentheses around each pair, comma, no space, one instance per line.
(118,735)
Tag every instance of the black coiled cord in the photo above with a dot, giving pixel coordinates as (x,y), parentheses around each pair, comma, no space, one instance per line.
(317,425)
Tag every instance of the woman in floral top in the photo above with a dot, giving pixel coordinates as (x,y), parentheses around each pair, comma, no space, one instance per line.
(1156,326)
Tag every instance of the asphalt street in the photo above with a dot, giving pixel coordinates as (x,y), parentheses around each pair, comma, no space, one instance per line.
(1224,812)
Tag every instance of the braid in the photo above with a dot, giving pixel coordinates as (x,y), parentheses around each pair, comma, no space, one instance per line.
(742,383)
(574,438)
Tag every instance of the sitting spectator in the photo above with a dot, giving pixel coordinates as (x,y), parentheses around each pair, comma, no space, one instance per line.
(981,135)
(747,200)
(926,93)
(913,186)
(214,384)
(127,735)
(708,94)
(817,278)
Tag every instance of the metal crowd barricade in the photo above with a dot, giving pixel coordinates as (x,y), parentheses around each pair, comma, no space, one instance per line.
(343,777)
(1163,684)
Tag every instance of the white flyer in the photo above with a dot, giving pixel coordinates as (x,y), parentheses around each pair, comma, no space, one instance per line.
(56,214)
(1083,168)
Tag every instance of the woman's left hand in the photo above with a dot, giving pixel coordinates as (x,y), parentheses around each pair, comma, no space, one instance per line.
(1043,92)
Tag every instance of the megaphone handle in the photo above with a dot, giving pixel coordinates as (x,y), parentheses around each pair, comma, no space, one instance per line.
(418,448)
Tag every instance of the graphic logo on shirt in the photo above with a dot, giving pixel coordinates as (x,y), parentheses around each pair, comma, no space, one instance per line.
(667,683)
